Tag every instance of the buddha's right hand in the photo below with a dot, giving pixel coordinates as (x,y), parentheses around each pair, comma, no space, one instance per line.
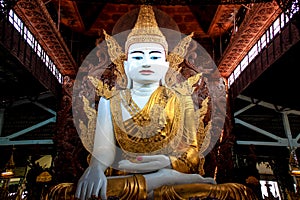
(91,183)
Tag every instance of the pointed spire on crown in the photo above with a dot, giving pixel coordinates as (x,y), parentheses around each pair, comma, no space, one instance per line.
(146,29)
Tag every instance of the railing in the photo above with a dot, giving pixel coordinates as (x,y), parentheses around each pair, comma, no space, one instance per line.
(19,41)
(33,43)
(276,28)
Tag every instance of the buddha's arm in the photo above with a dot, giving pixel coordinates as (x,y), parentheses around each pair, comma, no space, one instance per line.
(104,142)
(188,161)
(93,179)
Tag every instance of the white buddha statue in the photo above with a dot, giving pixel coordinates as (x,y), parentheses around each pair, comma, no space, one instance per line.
(129,120)
(146,140)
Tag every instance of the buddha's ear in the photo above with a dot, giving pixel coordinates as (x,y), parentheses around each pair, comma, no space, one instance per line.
(165,70)
(126,66)
(126,69)
(166,67)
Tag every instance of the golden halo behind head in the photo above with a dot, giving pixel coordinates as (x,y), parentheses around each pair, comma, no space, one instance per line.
(146,30)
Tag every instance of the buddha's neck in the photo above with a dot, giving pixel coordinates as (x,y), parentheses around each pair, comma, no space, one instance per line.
(143,89)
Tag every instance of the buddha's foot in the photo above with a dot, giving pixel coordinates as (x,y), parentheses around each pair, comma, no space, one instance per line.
(173,177)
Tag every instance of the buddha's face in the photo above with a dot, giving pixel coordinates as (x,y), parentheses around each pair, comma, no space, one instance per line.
(146,63)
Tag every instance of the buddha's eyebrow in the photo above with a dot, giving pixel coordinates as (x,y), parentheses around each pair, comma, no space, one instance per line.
(155,52)
(137,52)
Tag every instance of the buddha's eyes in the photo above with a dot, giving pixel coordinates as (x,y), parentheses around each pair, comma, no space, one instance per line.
(137,57)
(141,57)
(154,57)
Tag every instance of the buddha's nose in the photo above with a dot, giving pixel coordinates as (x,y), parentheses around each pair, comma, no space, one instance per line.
(145,66)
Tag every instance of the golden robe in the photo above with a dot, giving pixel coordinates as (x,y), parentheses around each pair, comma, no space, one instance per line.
(166,125)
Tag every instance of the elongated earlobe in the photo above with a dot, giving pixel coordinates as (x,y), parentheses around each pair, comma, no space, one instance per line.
(162,81)
(129,83)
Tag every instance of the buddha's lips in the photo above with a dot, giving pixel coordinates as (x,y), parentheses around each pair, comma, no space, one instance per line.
(146,72)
